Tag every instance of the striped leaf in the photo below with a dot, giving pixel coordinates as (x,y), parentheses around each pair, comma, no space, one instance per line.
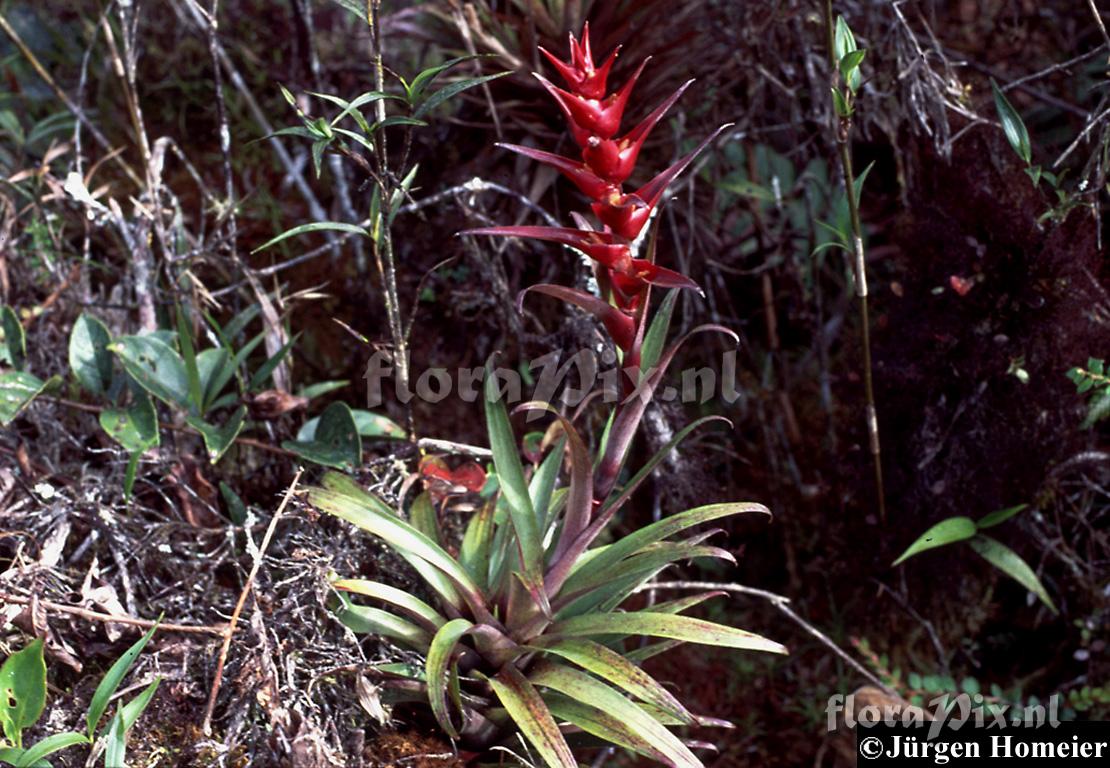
(523,704)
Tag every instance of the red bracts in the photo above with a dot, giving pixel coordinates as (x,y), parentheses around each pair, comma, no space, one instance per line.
(606,163)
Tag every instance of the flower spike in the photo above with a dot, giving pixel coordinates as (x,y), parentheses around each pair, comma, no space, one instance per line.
(593,117)
(580,74)
(626,216)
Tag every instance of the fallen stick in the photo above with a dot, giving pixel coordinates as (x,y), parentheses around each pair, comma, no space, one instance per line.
(229,630)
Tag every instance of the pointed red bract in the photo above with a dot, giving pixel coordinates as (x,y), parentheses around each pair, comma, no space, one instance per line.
(581,74)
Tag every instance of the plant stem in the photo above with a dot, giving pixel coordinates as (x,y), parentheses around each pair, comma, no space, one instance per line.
(383,244)
(843,128)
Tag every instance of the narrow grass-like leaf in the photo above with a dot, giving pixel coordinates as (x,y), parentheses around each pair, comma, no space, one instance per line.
(316,226)
(582,687)
(111,681)
(448,91)
(657,531)
(133,709)
(1010,563)
(999,516)
(399,535)
(652,624)
(13,341)
(945,532)
(656,337)
(542,484)
(413,606)
(607,726)
(510,476)
(612,666)
(432,575)
(364,619)
(423,517)
(439,658)
(115,749)
(1012,125)
(523,704)
(189,356)
(474,552)
(49,746)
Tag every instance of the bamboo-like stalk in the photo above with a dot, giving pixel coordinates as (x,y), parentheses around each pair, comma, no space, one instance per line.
(843,128)
(383,243)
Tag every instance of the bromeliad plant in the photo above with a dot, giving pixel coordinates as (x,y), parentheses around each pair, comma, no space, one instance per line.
(532,619)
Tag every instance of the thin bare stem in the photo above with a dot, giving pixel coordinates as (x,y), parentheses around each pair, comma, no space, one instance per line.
(842,129)
(229,631)
(84,613)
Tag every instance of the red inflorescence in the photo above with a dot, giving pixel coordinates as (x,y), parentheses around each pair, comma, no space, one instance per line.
(606,163)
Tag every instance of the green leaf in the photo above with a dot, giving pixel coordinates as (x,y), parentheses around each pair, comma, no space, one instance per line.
(656,337)
(420,83)
(439,658)
(1010,563)
(335,441)
(365,620)
(510,475)
(129,475)
(396,120)
(542,484)
(422,515)
(844,42)
(367,424)
(111,682)
(189,356)
(22,691)
(236,509)
(258,380)
(17,390)
(155,366)
(13,341)
(134,709)
(89,358)
(115,750)
(435,577)
(49,746)
(218,439)
(214,370)
(523,704)
(136,427)
(840,103)
(414,607)
(615,668)
(316,226)
(607,557)
(1012,125)
(600,723)
(999,516)
(360,101)
(451,90)
(1098,410)
(849,68)
(379,520)
(945,532)
(654,624)
(580,686)
(474,552)
(313,391)
(1095,366)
